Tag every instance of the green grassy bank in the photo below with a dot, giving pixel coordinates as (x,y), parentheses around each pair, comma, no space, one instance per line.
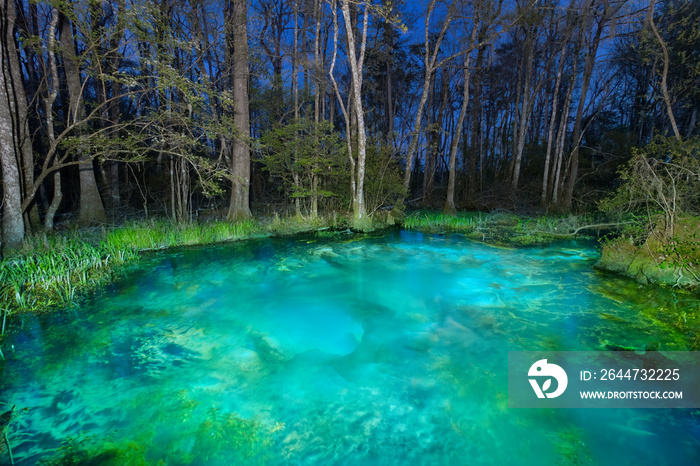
(506,229)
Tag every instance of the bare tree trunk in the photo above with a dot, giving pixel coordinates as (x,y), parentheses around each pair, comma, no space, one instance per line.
(475,153)
(552,125)
(317,101)
(429,136)
(450,201)
(53,93)
(664,73)
(429,62)
(585,84)
(344,110)
(556,185)
(356,61)
(19,107)
(12,222)
(113,110)
(524,111)
(295,93)
(91,208)
(240,158)
(691,123)
(389,102)
(435,138)
(515,117)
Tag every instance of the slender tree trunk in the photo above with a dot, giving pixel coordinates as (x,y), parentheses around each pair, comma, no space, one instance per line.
(691,123)
(356,61)
(524,111)
(556,186)
(664,73)
(436,136)
(552,125)
(295,93)
(576,137)
(429,62)
(240,158)
(317,100)
(514,118)
(53,84)
(115,88)
(450,201)
(475,153)
(429,136)
(344,110)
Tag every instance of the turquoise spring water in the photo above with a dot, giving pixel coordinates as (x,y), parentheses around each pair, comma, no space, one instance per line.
(381,350)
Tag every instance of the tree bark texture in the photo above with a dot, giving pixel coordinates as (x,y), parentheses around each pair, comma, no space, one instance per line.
(239,207)
(10,153)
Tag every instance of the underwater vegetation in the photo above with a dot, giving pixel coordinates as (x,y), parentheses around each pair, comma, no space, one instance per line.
(221,438)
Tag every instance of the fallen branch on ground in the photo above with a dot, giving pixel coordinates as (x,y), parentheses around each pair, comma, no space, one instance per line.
(585,227)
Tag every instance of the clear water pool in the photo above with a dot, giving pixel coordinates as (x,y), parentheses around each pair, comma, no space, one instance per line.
(379,350)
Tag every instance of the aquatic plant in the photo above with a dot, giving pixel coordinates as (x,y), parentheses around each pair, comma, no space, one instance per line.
(91,450)
(570,446)
(5,419)
(226,438)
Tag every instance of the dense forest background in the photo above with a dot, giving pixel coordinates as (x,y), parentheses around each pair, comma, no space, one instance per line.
(213,108)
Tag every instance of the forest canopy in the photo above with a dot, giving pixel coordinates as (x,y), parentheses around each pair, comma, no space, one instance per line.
(185,108)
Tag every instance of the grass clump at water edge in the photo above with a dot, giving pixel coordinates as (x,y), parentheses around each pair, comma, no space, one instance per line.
(163,234)
(53,270)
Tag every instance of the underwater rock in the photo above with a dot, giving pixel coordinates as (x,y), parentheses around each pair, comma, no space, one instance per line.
(420,341)
(266,348)
(454,332)
(652,346)
(246,360)
(612,347)
(324,251)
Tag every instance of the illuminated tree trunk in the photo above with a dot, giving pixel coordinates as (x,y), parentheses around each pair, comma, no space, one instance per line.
(354,112)
(19,107)
(12,222)
(239,207)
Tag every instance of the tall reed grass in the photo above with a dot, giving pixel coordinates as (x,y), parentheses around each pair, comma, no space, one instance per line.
(464,222)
